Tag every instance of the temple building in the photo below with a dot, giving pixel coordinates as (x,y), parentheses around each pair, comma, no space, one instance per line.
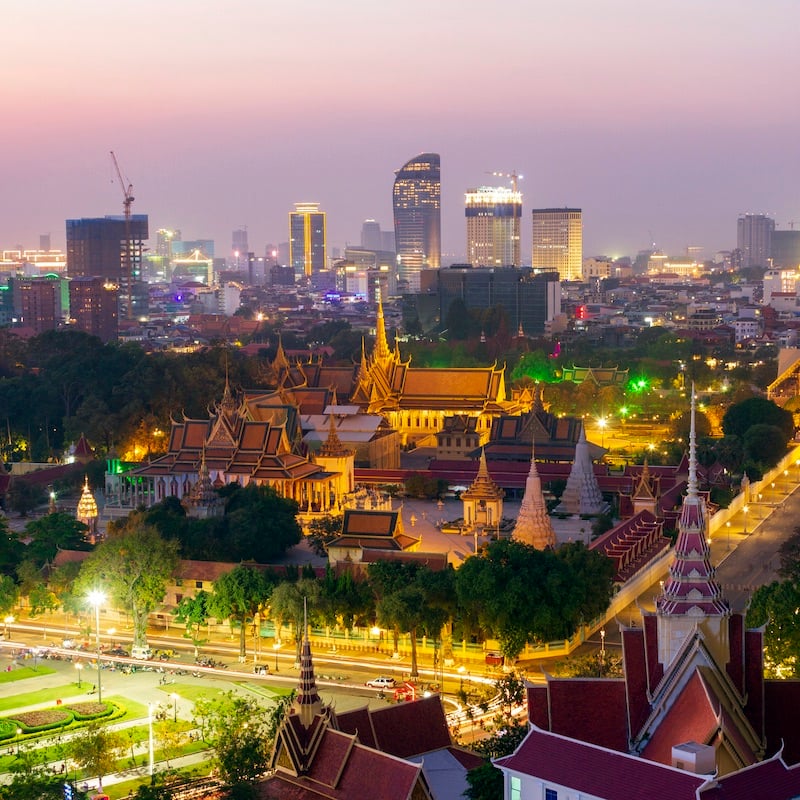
(242,442)
(87,511)
(483,500)
(693,694)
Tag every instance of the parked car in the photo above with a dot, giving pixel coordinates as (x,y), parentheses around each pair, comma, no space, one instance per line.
(121,652)
(381,682)
(68,644)
(261,669)
(142,653)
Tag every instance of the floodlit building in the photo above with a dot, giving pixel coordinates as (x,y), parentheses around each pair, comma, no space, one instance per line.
(493,217)
(558,241)
(307,239)
(416,200)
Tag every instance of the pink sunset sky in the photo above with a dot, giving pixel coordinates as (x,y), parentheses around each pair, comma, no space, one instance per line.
(662,120)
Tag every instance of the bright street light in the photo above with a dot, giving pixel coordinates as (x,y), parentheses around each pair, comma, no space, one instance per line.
(174,697)
(97,598)
(79,667)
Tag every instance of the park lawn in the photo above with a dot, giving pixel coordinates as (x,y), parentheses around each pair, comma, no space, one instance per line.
(40,697)
(21,673)
(193,691)
(118,791)
(270,692)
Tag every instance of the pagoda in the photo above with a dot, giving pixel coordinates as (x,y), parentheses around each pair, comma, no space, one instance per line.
(483,501)
(533,523)
(582,493)
(87,511)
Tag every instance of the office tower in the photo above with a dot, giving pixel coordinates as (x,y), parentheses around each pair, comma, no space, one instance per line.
(44,242)
(37,302)
(307,239)
(493,223)
(529,300)
(558,241)
(100,247)
(785,250)
(93,307)
(754,239)
(371,235)
(239,242)
(416,200)
(165,241)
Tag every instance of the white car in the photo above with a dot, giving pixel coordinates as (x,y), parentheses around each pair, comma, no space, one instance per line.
(382,682)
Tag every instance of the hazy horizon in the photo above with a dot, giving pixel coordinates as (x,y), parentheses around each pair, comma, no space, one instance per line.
(663,122)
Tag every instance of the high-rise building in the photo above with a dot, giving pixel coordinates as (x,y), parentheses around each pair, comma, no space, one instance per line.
(37,302)
(307,239)
(558,241)
(754,239)
(493,217)
(371,238)
(416,200)
(529,300)
(239,242)
(94,307)
(785,250)
(100,247)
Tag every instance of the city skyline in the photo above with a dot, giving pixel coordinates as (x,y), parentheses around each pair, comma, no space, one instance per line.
(663,124)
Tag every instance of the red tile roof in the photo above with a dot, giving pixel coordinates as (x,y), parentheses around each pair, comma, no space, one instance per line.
(769,780)
(597,771)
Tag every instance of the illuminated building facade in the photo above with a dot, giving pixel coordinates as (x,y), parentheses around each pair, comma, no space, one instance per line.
(493,226)
(416,201)
(558,241)
(307,239)
(94,307)
(37,302)
(754,239)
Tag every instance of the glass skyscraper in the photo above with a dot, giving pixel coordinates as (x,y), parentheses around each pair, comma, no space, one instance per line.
(493,220)
(307,239)
(416,200)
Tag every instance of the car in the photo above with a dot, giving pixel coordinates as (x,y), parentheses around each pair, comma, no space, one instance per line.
(381,682)
(142,653)
(261,669)
(68,644)
(118,651)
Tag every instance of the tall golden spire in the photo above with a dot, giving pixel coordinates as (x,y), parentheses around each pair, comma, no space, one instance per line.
(381,344)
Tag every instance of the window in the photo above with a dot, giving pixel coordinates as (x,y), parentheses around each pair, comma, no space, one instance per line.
(198,584)
(550,794)
(516,789)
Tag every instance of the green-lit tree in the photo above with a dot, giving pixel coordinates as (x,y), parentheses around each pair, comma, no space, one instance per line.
(51,533)
(776,607)
(193,613)
(291,601)
(96,748)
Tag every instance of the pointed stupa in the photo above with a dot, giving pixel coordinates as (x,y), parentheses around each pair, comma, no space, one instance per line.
(332,447)
(87,510)
(533,523)
(203,501)
(483,501)
(645,494)
(280,362)
(308,704)
(381,352)
(691,596)
(582,493)
(228,402)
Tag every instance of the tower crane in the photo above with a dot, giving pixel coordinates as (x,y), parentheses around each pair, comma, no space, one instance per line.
(515,178)
(127,202)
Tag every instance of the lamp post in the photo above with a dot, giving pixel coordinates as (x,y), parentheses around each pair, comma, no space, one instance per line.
(745,509)
(276,646)
(96,598)
(602,425)
(174,697)
(8,621)
(19,733)
(111,632)
(79,667)
(602,643)
(150,736)
(728,531)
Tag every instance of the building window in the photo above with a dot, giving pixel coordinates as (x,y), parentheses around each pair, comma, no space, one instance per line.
(198,584)
(550,794)
(179,581)
(516,789)
(178,597)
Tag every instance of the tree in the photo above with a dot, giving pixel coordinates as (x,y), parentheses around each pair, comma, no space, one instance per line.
(23,496)
(193,612)
(238,596)
(740,417)
(133,566)
(11,549)
(241,732)
(95,748)
(776,607)
(790,558)
(32,780)
(291,601)
(322,531)
(764,444)
(52,533)
(9,594)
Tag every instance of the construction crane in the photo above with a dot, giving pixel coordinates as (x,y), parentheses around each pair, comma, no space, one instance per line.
(127,202)
(512,175)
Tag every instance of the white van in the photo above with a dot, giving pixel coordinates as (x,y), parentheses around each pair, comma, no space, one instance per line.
(142,653)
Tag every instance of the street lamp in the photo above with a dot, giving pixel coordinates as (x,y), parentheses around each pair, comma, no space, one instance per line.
(602,643)
(745,509)
(111,632)
(276,646)
(174,697)
(150,736)
(8,621)
(602,425)
(96,598)
(19,733)
(728,530)
(79,667)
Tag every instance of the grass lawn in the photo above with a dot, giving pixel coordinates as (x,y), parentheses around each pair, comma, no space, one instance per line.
(21,673)
(262,690)
(192,691)
(42,696)
(116,791)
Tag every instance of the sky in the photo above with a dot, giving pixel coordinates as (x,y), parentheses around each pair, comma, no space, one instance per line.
(663,121)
